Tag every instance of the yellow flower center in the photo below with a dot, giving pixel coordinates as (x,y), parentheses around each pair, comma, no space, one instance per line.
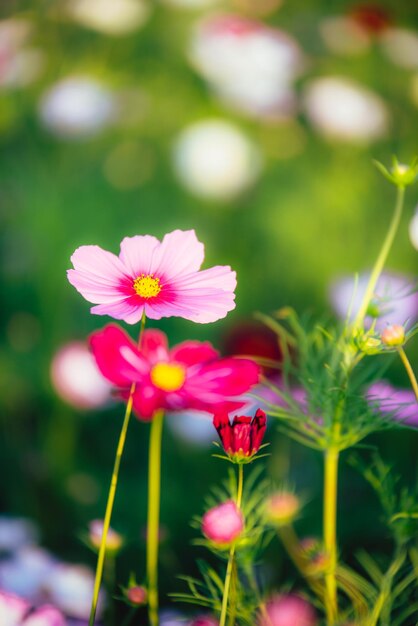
(168,376)
(146,286)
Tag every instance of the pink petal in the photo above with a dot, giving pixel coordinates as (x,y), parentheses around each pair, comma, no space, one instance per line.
(45,616)
(120,310)
(12,608)
(136,253)
(223,378)
(192,352)
(117,356)
(147,400)
(154,346)
(97,274)
(179,253)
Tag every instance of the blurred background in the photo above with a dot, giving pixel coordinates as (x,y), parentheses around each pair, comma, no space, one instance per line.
(254,122)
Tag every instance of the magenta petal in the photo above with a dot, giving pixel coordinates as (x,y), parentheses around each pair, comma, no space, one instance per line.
(136,254)
(226,377)
(180,253)
(117,356)
(192,352)
(154,346)
(45,616)
(147,399)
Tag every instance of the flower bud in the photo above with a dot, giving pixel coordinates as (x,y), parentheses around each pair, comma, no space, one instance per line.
(288,610)
(393,335)
(136,595)
(399,174)
(242,438)
(114,540)
(223,523)
(317,560)
(282,508)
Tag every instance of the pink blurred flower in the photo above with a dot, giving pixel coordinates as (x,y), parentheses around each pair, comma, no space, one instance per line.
(400,404)
(190,376)
(395,300)
(242,438)
(77,379)
(223,523)
(288,610)
(204,620)
(160,279)
(14,611)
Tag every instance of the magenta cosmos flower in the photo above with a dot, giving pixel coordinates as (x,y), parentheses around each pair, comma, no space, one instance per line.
(223,523)
(190,376)
(158,278)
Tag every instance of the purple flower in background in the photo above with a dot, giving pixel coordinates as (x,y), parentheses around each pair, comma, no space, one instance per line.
(400,404)
(395,300)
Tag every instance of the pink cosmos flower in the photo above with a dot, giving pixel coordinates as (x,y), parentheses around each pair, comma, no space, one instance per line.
(160,279)
(223,523)
(15,611)
(398,404)
(288,610)
(189,376)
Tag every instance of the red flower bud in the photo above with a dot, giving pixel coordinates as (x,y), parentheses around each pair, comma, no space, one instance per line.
(242,438)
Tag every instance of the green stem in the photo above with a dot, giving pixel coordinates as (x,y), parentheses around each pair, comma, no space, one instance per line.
(330,532)
(111,495)
(409,371)
(153,526)
(229,567)
(381,259)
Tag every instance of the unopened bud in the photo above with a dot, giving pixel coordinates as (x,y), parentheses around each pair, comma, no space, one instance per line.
(317,560)
(393,335)
(137,595)
(282,508)
(223,523)
(114,540)
(288,610)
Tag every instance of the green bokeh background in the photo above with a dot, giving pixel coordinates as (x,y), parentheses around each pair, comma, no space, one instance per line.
(311,216)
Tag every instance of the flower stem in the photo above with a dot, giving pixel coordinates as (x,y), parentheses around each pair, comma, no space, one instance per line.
(330,532)
(409,371)
(229,567)
(154,489)
(381,259)
(111,495)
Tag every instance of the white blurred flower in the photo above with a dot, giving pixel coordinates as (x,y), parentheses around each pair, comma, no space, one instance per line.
(25,573)
(214,159)
(77,379)
(77,107)
(109,17)
(395,300)
(344,36)
(70,588)
(413,229)
(16,532)
(195,428)
(249,65)
(342,109)
(401,47)
(20,64)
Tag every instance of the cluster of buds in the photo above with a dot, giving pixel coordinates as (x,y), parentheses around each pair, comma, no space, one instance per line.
(282,508)
(393,336)
(241,439)
(399,174)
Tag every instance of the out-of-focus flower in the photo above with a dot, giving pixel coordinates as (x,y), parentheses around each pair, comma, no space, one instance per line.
(393,335)
(17,532)
(401,47)
(215,160)
(254,339)
(70,588)
(15,611)
(190,376)
(344,36)
(77,107)
(399,404)
(204,620)
(192,427)
(20,64)
(171,618)
(155,278)
(136,595)
(108,17)
(394,300)
(25,573)
(282,508)
(372,18)
(242,438)
(249,65)
(288,610)
(114,540)
(191,4)
(313,552)
(413,229)
(77,379)
(341,109)
(223,523)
